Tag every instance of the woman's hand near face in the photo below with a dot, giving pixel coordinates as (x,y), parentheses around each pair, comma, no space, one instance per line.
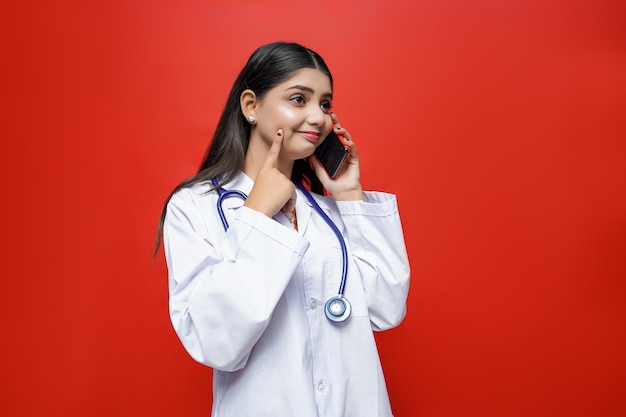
(347,185)
(272,191)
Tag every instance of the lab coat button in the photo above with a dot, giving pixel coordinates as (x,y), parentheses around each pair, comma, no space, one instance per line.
(321,387)
(313,305)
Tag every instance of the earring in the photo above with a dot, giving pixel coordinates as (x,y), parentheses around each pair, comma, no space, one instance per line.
(252,119)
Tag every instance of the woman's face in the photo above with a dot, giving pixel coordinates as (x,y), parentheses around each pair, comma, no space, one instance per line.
(301,107)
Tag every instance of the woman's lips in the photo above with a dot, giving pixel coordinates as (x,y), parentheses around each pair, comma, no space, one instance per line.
(312,136)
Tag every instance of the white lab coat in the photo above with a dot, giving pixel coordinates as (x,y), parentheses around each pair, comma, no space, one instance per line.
(249,302)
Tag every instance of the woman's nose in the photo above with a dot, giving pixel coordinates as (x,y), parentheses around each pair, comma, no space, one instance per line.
(316,116)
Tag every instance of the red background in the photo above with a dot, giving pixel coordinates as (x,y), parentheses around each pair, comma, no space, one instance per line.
(500,125)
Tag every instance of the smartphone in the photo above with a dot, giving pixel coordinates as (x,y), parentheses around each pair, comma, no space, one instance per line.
(332,153)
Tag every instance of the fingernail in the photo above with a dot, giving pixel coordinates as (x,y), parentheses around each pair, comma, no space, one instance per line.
(280,132)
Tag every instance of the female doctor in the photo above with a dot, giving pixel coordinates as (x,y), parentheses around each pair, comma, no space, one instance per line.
(279,289)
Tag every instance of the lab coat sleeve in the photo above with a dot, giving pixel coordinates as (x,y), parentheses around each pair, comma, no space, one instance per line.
(223,289)
(374,232)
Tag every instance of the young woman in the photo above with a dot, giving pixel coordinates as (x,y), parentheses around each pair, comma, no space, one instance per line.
(250,277)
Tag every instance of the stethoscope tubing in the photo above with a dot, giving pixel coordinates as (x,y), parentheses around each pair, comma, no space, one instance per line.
(333,226)
(345,309)
(223,195)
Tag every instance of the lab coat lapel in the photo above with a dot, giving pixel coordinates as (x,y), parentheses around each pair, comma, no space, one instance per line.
(304,209)
(303,212)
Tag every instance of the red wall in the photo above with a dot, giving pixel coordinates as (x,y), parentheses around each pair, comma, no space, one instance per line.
(499,124)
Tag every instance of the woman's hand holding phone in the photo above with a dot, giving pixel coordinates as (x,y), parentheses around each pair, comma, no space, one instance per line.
(347,184)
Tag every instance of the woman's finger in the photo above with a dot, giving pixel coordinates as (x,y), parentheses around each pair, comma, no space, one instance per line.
(274,151)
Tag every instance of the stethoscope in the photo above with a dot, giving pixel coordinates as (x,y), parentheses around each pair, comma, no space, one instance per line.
(337,308)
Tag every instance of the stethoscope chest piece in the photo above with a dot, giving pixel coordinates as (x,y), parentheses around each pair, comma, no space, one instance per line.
(337,309)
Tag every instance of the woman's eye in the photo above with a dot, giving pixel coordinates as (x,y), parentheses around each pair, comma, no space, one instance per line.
(326,106)
(297,99)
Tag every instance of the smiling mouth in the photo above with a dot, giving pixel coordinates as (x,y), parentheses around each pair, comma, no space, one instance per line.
(313,136)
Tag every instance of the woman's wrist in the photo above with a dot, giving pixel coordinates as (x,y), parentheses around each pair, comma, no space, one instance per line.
(350,195)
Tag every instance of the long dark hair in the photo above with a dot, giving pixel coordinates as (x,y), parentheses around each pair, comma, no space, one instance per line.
(267,67)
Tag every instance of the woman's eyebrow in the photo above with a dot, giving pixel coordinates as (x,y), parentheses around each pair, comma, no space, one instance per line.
(300,87)
(307,89)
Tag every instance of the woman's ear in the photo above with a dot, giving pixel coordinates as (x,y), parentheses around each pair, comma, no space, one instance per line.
(248,102)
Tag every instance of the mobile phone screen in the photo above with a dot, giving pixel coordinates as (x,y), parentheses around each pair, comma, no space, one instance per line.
(332,153)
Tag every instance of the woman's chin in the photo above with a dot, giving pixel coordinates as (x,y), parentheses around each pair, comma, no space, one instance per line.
(303,152)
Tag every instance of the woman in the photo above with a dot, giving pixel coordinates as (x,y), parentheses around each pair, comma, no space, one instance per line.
(247,293)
